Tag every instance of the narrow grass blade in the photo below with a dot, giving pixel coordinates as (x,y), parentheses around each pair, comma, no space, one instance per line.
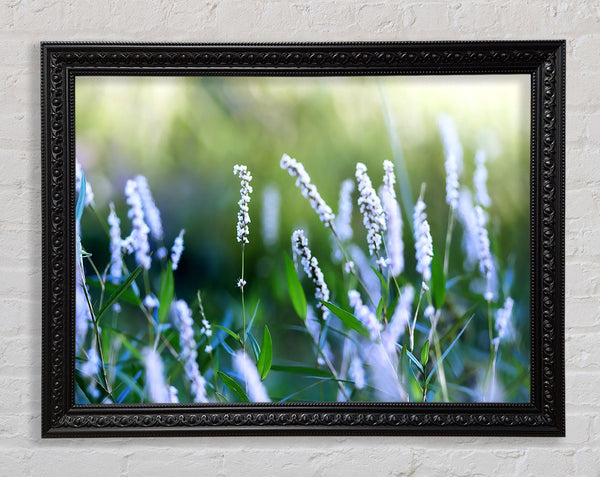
(231,333)
(126,391)
(447,351)
(233,386)
(113,298)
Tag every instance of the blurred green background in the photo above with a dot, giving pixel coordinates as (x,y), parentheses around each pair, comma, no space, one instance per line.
(186,133)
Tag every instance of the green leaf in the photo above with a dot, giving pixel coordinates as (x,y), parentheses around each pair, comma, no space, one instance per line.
(425,354)
(304,370)
(266,355)
(124,286)
(384,286)
(233,386)
(231,333)
(81,198)
(379,312)
(447,351)
(438,282)
(165,295)
(348,319)
(295,287)
(412,357)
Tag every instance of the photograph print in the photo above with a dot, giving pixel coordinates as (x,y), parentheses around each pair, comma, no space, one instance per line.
(302,239)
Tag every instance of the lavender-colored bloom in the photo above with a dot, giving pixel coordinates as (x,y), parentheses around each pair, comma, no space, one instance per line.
(83,317)
(450,140)
(296,169)
(243,216)
(151,212)
(177,250)
(89,194)
(399,321)
(486,264)
(357,372)
(185,324)
(156,386)
(138,239)
(429,311)
(382,374)
(468,219)
(151,302)
(312,270)
(503,319)
(343,221)
(89,370)
(395,244)
(161,253)
(370,207)
(423,241)
(368,276)
(480,179)
(365,315)
(241,283)
(247,369)
(173,394)
(349,267)
(116,258)
(453,153)
(271,204)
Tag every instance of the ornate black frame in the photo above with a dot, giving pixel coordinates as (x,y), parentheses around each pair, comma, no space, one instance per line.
(544,61)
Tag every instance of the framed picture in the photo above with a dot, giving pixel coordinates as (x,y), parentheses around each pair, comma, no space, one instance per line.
(351,238)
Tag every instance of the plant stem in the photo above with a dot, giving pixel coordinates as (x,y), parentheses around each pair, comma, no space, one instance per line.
(448,240)
(243,305)
(412,328)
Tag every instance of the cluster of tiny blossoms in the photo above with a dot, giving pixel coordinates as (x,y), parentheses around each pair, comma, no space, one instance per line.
(89,194)
(156,386)
(486,264)
(151,212)
(308,190)
(453,153)
(395,243)
(243,216)
(364,314)
(423,241)
(116,258)
(247,369)
(177,250)
(480,179)
(184,323)
(138,239)
(370,206)
(503,320)
(311,268)
(343,222)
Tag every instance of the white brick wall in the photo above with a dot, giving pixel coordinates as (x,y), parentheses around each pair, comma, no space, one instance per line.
(24,23)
